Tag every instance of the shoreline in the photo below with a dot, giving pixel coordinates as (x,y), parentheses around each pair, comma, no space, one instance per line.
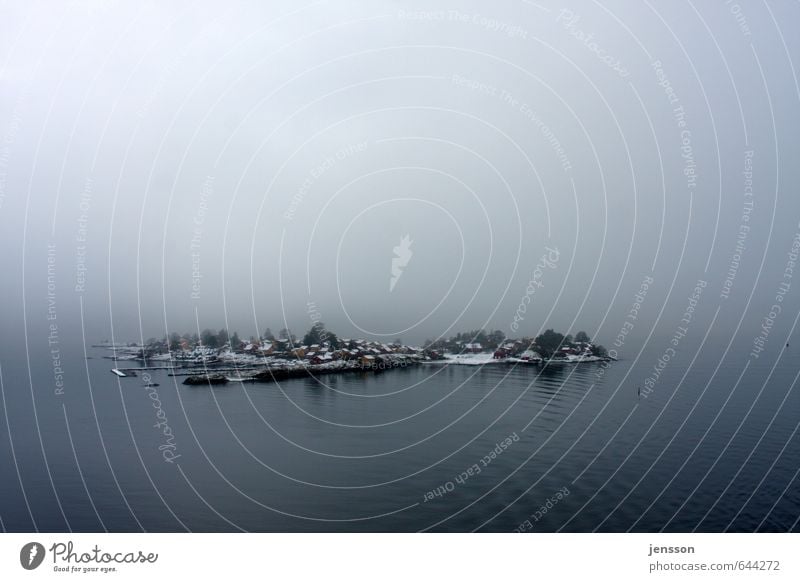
(218,373)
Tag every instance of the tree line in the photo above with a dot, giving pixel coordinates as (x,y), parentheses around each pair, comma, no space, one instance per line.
(546,344)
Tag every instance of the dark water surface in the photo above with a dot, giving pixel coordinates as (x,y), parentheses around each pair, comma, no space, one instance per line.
(713,449)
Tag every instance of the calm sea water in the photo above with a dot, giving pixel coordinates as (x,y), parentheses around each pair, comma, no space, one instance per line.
(714,447)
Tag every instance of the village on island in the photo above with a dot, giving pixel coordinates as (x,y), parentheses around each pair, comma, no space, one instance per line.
(218,358)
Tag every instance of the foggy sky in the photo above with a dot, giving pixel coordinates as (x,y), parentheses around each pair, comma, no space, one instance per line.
(281,150)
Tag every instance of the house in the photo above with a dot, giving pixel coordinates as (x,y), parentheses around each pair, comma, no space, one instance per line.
(318,358)
(474,348)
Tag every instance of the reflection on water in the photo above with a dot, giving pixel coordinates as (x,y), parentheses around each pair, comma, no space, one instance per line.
(369,452)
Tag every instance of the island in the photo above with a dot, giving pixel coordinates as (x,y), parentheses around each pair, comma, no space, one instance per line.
(217,357)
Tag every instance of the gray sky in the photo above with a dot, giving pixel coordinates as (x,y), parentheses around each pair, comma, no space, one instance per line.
(282,150)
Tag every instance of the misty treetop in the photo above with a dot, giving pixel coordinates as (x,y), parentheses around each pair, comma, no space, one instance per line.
(548,344)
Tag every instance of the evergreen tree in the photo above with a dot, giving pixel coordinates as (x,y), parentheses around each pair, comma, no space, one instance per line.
(549,343)
(208,338)
(314,334)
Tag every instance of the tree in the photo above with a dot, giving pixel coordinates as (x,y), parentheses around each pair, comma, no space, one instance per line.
(315,334)
(475,336)
(549,343)
(174,341)
(268,335)
(440,344)
(235,341)
(496,338)
(222,337)
(600,351)
(208,337)
(582,337)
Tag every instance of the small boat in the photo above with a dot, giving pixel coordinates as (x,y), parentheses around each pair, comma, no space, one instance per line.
(119,373)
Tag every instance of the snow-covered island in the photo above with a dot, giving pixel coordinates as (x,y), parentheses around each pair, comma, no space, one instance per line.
(217,358)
